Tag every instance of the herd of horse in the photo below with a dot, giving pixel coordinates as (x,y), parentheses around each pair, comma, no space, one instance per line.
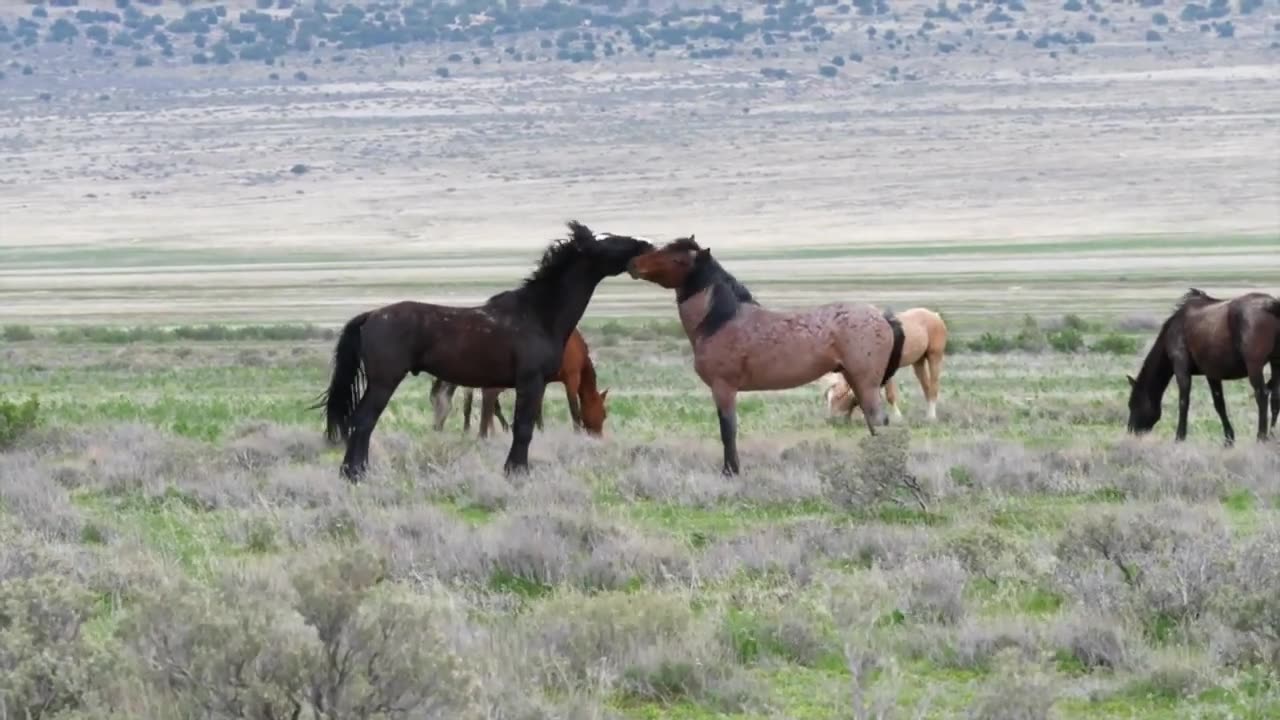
(527,337)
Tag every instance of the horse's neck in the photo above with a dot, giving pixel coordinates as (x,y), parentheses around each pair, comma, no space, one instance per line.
(693,310)
(576,287)
(587,388)
(1157,370)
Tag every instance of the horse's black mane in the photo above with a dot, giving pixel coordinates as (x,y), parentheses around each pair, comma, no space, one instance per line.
(1193,295)
(1156,366)
(727,294)
(560,254)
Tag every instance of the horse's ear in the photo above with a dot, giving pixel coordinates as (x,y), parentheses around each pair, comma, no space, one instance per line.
(1132,382)
(604,394)
(704,252)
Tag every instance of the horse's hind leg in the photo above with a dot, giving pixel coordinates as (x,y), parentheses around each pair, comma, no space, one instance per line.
(442,401)
(488,406)
(467,396)
(1220,404)
(497,412)
(867,396)
(935,382)
(891,396)
(1275,393)
(1260,394)
(368,410)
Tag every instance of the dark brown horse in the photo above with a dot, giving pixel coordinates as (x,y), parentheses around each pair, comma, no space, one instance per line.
(739,346)
(586,402)
(515,339)
(1219,339)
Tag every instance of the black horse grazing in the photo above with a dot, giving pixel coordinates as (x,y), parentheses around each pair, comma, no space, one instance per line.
(1220,339)
(515,339)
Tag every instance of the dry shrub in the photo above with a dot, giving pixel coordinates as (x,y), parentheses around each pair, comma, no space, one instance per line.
(987,553)
(669,482)
(1018,691)
(1174,675)
(1164,561)
(932,589)
(47,666)
(766,550)
(974,644)
(331,643)
(779,625)
(262,445)
(1092,640)
(1248,603)
(36,503)
(648,646)
(135,458)
(862,544)
(997,467)
(303,486)
(880,473)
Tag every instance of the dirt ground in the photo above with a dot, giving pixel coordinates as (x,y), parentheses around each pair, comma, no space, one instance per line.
(168,198)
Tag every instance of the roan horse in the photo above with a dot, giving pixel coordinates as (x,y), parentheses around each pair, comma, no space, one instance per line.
(515,339)
(926,341)
(1219,339)
(739,346)
(577,373)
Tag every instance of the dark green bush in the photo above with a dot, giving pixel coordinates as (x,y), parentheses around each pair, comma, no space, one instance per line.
(18,333)
(1115,344)
(1067,341)
(17,419)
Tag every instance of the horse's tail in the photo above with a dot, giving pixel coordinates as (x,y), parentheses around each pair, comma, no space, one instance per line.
(895,355)
(339,401)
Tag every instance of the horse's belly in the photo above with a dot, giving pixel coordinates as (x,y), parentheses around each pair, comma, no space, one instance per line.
(785,372)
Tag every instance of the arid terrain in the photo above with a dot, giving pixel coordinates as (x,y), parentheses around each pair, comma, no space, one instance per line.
(165,192)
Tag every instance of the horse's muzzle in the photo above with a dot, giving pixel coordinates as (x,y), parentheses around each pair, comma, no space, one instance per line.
(631,270)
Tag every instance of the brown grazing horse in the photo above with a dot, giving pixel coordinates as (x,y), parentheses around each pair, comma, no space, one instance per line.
(515,339)
(586,402)
(739,346)
(926,341)
(1219,339)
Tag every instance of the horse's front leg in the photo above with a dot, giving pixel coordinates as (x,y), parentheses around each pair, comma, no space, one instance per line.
(726,397)
(1184,402)
(1220,404)
(529,390)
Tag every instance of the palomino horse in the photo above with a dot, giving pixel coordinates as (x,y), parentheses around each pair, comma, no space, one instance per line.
(515,339)
(1219,339)
(923,349)
(577,373)
(739,346)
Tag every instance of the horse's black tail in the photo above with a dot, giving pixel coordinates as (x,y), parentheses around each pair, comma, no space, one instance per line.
(895,355)
(339,401)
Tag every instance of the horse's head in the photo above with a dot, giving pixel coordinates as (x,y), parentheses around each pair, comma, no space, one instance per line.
(1144,408)
(669,265)
(594,412)
(607,253)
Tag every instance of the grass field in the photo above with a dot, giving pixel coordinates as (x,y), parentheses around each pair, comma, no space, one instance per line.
(176,519)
